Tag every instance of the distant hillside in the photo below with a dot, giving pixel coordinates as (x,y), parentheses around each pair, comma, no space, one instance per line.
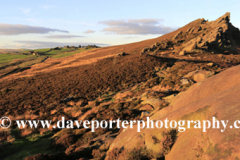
(11,50)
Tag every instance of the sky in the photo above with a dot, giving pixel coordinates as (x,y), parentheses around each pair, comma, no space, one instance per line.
(34,24)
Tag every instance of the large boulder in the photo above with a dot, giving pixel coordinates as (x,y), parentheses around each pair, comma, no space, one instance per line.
(219,97)
(201,75)
(156,103)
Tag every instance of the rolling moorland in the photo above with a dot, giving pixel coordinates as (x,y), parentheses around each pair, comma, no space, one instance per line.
(13,61)
(189,74)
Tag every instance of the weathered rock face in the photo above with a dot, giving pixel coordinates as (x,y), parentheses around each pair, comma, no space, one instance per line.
(146,107)
(219,35)
(164,45)
(121,54)
(201,75)
(177,35)
(218,97)
(153,102)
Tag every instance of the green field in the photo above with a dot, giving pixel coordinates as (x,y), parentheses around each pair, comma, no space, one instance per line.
(9,57)
(47,52)
(27,146)
(66,54)
(14,60)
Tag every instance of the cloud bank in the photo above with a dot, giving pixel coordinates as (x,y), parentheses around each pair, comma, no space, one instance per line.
(16,29)
(89,31)
(63,36)
(136,26)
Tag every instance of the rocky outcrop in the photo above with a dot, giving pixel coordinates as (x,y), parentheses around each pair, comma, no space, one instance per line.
(121,54)
(145,50)
(219,35)
(201,75)
(162,46)
(177,35)
(217,97)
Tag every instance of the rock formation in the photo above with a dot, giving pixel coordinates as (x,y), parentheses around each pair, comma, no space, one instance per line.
(203,36)
(217,97)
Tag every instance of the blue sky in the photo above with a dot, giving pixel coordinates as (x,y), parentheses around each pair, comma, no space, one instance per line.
(51,23)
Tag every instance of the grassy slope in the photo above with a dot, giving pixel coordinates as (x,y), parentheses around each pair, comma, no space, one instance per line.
(26,146)
(64,52)
(12,61)
(4,58)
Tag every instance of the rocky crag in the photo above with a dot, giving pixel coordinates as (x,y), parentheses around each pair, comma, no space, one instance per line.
(202,36)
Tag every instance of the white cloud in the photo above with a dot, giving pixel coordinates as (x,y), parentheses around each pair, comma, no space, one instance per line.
(89,31)
(136,26)
(129,37)
(63,36)
(16,29)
